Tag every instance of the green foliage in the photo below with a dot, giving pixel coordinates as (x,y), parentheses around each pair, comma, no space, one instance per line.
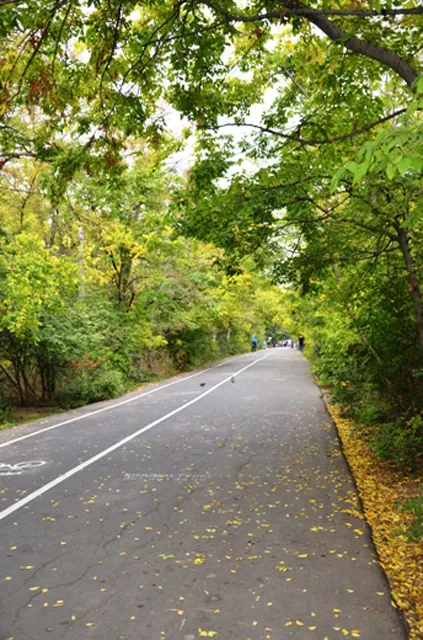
(400,441)
(396,150)
(97,293)
(5,410)
(414,530)
(34,280)
(91,385)
(366,355)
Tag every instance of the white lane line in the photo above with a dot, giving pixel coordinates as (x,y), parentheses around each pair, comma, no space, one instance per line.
(39,492)
(117,404)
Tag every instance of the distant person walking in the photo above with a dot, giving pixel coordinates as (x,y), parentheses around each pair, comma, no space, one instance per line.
(301,342)
(254,343)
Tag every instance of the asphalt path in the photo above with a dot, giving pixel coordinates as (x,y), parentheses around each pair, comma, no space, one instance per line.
(216,504)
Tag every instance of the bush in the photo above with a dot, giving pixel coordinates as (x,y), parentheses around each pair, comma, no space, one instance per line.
(372,411)
(91,385)
(75,390)
(5,411)
(400,441)
(107,384)
(138,374)
(414,530)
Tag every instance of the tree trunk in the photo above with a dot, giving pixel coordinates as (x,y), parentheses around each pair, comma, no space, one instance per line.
(18,377)
(229,333)
(14,382)
(150,362)
(125,275)
(413,281)
(30,392)
(81,240)
(47,373)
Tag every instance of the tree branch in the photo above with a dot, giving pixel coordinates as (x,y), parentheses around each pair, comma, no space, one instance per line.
(302,10)
(3,3)
(365,48)
(9,377)
(59,5)
(315,141)
(114,44)
(336,33)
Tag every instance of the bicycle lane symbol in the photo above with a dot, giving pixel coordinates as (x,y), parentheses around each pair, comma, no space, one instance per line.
(19,468)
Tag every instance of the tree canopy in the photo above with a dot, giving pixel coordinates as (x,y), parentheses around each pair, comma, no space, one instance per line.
(94,72)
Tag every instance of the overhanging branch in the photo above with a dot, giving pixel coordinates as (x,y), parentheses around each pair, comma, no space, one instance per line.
(319,18)
(302,10)
(315,141)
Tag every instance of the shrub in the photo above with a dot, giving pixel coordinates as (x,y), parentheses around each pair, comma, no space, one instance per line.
(5,411)
(107,384)
(75,390)
(400,441)
(90,385)
(372,411)
(413,530)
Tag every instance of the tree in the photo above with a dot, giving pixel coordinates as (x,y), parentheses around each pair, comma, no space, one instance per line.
(34,283)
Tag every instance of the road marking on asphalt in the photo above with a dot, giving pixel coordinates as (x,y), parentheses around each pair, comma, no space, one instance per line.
(116,404)
(39,492)
(19,467)
(168,477)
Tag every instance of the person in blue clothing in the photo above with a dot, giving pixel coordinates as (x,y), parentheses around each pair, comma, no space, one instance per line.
(301,342)
(254,343)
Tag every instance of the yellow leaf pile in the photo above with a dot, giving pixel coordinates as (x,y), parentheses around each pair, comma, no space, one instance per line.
(381,489)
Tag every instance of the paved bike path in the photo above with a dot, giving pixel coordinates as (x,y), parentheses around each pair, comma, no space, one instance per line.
(234,518)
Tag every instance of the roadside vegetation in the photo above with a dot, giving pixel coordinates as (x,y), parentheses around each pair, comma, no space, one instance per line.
(98,294)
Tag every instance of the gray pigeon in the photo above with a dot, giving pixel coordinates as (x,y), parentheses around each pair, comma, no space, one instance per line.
(202,384)
(233,380)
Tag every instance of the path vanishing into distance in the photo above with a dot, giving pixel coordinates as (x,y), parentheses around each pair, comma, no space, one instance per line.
(184,511)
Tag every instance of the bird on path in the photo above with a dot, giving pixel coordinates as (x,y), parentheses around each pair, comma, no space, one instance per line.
(202,384)
(233,380)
